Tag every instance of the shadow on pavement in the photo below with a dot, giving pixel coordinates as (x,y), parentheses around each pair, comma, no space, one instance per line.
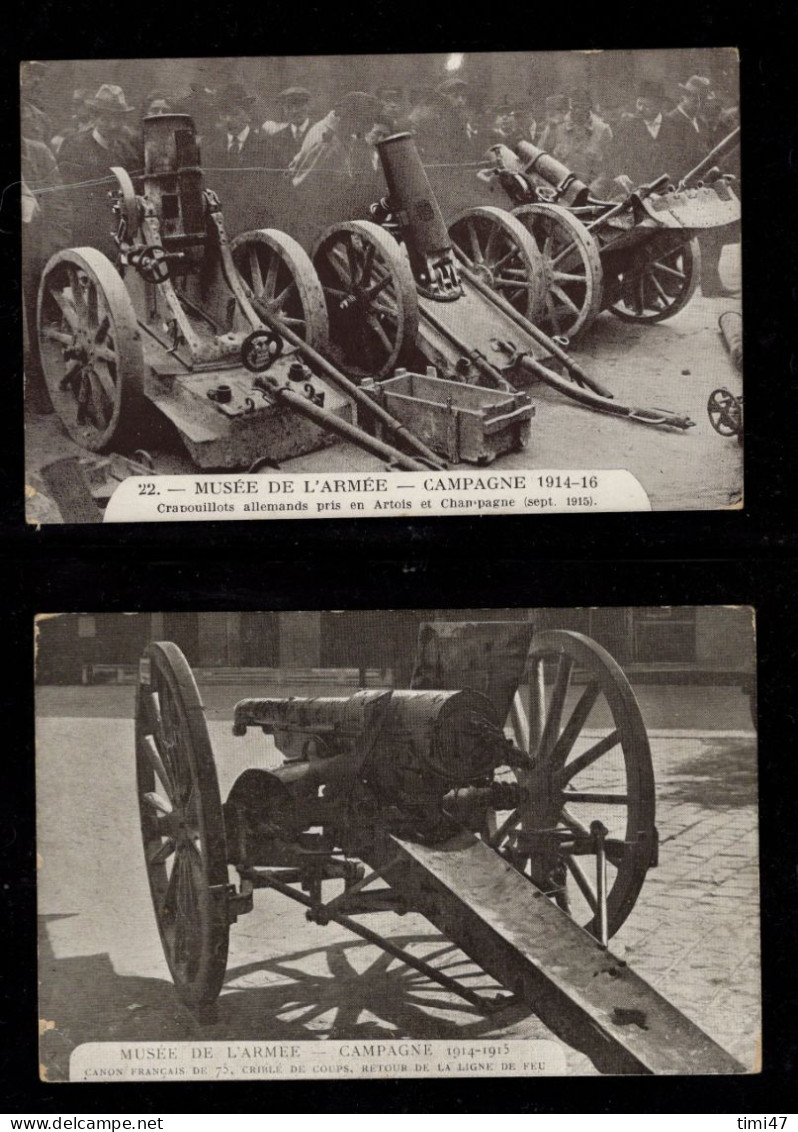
(721,776)
(351,991)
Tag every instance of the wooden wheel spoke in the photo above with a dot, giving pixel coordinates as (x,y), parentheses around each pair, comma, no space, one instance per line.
(279,302)
(497,265)
(550,307)
(658,265)
(101,405)
(509,822)
(551,729)
(67,307)
(565,299)
(340,270)
(54,335)
(368,264)
(576,721)
(582,883)
(336,293)
(569,277)
(573,822)
(378,287)
(270,282)
(518,285)
(157,765)
(379,330)
(93,307)
(76,288)
(105,354)
(596,797)
(169,904)
(352,258)
(164,852)
(587,758)
(104,378)
(666,300)
(157,803)
(255,276)
(476,250)
(386,310)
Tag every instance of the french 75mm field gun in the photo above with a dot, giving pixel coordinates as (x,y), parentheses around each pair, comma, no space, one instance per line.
(507,796)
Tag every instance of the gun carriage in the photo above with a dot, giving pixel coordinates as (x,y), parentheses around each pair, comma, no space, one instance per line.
(638,258)
(398,288)
(224,342)
(526,844)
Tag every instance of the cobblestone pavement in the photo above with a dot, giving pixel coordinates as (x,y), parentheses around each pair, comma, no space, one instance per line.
(693,933)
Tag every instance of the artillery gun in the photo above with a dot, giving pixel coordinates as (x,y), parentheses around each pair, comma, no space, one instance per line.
(526,844)
(638,258)
(225,341)
(398,288)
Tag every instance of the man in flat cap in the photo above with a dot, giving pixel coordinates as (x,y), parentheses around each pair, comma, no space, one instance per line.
(283,138)
(86,157)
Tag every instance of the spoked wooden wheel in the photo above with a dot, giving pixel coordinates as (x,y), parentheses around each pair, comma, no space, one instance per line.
(572,268)
(280,273)
(371,296)
(725,412)
(91,349)
(588,790)
(500,250)
(659,282)
(182,824)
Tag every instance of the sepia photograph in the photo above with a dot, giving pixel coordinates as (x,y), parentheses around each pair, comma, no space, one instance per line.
(330,268)
(419,843)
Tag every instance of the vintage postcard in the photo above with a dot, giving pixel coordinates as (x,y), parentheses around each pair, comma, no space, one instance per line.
(335,286)
(421,843)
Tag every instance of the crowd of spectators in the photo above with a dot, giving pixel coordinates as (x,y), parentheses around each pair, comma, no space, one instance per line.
(307,140)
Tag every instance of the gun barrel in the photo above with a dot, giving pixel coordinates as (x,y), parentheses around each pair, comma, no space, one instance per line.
(570,189)
(413,203)
(730,142)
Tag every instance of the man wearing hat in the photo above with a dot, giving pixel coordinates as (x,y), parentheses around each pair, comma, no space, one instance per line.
(87,156)
(236,142)
(446,132)
(687,139)
(582,142)
(283,139)
(393,112)
(641,147)
(339,142)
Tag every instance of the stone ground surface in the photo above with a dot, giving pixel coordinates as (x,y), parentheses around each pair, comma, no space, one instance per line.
(694,932)
(674,364)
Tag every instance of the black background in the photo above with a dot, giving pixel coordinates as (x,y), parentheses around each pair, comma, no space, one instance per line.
(743,557)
